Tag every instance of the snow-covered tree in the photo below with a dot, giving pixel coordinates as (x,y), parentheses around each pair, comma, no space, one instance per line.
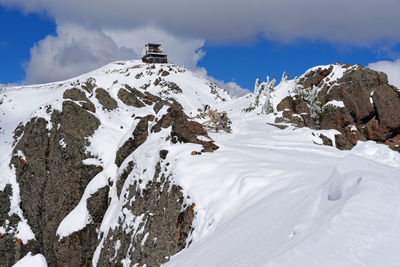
(263,99)
(285,77)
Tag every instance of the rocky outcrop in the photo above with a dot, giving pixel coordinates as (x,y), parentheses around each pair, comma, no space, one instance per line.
(49,157)
(8,245)
(130,97)
(54,162)
(153,227)
(105,99)
(360,104)
(184,130)
(155,219)
(52,179)
(139,136)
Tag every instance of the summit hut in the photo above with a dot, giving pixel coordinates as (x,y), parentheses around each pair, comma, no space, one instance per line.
(154,54)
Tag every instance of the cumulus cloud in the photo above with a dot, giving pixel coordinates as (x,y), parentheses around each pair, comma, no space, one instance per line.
(357,22)
(75,50)
(391,68)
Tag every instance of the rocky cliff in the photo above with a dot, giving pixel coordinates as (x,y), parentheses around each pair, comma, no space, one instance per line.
(357,102)
(86,175)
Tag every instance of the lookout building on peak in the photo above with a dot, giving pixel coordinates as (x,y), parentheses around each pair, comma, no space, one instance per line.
(154,54)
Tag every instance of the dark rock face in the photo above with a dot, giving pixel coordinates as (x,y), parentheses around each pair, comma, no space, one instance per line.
(77,95)
(183,130)
(130,98)
(370,111)
(139,137)
(164,224)
(105,99)
(296,111)
(52,179)
(48,158)
(8,245)
(157,224)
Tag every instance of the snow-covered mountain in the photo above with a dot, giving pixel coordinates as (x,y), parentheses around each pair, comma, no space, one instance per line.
(116,168)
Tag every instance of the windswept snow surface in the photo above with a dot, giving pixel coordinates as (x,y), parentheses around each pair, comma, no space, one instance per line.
(271,197)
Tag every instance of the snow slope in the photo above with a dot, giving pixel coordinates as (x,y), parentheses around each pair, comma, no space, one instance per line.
(285,202)
(266,197)
(271,197)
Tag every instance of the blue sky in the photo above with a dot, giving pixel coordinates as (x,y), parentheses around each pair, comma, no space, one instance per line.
(18,33)
(234,51)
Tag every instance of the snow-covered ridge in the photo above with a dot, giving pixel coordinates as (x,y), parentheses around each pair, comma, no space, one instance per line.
(266,197)
(19,104)
(270,94)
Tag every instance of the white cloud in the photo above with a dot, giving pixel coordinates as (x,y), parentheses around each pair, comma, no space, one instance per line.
(391,68)
(75,50)
(356,22)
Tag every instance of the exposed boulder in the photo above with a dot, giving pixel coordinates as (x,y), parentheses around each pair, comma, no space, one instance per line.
(183,130)
(356,101)
(130,98)
(80,97)
(105,99)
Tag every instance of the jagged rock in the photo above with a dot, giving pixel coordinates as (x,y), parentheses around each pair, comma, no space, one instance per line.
(183,130)
(313,78)
(286,103)
(164,73)
(97,204)
(42,176)
(89,85)
(295,111)
(165,222)
(51,156)
(105,99)
(139,137)
(336,118)
(394,143)
(325,140)
(130,98)
(370,108)
(76,249)
(78,95)
(159,105)
(387,103)
(123,176)
(163,154)
(8,246)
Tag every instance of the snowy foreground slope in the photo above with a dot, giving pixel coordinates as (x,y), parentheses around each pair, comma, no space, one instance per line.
(265,197)
(274,198)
